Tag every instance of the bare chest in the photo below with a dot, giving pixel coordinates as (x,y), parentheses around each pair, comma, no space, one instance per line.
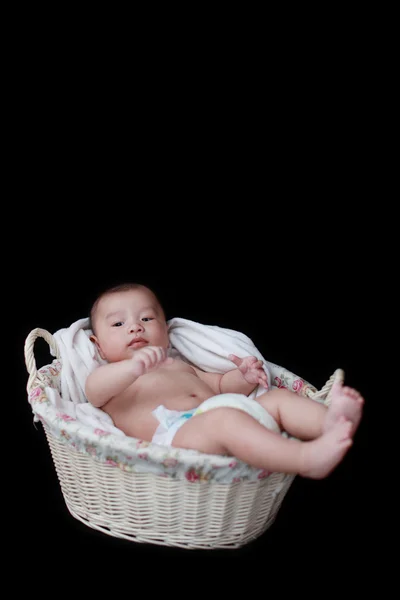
(176,386)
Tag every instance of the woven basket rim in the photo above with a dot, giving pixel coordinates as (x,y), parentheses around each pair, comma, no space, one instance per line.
(112,444)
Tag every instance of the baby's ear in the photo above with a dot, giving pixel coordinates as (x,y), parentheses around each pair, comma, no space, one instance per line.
(94,339)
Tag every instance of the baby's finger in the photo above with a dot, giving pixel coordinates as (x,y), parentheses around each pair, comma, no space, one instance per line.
(162,356)
(235,359)
(149,357)
(144,362)
(161,352)
(154,356)
(257,369)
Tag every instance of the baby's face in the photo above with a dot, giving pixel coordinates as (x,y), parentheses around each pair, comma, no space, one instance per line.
(128,321)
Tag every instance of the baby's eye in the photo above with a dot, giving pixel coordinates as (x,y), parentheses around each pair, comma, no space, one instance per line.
(118,324)
(147,318)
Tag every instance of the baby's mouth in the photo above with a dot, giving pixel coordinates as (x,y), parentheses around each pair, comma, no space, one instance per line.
(137,343)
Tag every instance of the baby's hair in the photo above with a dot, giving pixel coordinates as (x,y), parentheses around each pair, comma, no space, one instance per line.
(122,287)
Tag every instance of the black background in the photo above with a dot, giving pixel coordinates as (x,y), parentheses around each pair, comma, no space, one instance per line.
(272,223)
(300,288)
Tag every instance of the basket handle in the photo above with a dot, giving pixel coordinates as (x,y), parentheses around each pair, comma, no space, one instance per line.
(325,392)
(29,356)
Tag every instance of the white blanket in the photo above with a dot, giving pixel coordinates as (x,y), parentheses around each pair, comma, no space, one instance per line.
(208,347)
(79,358)
(205,346)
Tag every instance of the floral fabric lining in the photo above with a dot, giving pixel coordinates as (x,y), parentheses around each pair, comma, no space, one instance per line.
(139,456)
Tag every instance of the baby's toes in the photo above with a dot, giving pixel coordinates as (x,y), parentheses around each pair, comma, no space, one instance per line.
(356,396)
(352,393)
(360,399)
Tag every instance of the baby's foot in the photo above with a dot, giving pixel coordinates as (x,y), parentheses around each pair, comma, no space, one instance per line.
(345,402)
(323,454)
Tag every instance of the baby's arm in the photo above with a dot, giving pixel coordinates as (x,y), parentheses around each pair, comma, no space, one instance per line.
(233,381)
(108,381)
(242,380)
(245,378)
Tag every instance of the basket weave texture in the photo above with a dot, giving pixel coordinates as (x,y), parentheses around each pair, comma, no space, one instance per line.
(142,492)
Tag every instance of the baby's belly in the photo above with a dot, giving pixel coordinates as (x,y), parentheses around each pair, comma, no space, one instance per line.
(132,419)
(133,413)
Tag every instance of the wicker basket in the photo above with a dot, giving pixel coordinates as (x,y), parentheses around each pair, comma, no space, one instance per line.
(147,507)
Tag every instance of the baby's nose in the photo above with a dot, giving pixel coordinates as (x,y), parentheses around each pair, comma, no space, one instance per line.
(136,327)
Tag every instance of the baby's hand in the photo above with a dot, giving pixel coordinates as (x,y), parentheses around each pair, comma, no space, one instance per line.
(251,369)
(148,359)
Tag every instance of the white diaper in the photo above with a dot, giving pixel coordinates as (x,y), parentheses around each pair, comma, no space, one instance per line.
(171,420)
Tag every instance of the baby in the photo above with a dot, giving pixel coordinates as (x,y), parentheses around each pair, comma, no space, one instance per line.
(153,397)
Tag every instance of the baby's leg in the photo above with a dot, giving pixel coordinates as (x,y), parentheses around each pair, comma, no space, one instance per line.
(307,419)
(235,433)
(301,417)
